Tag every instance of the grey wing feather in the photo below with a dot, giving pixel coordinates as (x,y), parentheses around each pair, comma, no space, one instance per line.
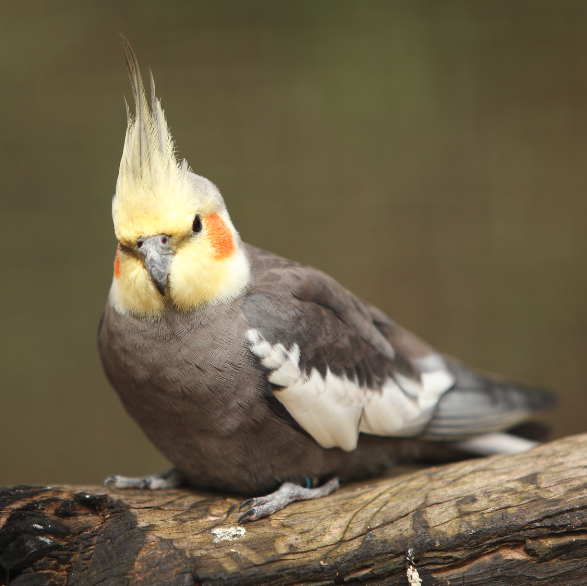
(480,404)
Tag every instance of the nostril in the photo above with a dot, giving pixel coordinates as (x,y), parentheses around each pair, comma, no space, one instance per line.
(139,244)
(164,239)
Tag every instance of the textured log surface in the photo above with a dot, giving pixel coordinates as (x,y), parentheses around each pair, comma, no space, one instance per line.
(494,521)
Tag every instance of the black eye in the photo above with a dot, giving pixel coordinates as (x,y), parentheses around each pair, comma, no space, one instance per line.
(197,227)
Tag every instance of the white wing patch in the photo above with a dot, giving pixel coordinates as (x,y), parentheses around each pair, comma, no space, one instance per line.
(334,410)
(329,409)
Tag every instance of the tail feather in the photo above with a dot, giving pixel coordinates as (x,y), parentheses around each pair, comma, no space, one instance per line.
(495,443)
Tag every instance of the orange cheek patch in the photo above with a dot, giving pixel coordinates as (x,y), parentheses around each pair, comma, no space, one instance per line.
(220,236)
(117,263)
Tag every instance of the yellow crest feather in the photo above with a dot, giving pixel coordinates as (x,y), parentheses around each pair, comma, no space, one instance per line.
(153,187)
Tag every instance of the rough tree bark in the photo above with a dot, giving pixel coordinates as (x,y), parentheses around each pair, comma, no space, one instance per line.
(495,521)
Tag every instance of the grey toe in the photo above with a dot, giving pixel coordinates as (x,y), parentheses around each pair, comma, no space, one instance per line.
(287,493)
(170,479)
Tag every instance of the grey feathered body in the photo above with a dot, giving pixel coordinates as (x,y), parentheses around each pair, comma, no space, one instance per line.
(205,400)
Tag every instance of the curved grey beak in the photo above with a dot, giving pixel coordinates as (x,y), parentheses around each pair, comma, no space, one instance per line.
(157,255)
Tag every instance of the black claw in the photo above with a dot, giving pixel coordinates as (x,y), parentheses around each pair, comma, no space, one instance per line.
(108,480)
(246,504)
(247,516)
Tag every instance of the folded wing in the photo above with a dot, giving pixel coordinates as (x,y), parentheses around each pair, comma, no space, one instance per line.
(338,365)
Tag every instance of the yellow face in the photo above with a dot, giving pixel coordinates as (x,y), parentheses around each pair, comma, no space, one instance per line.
(207,263)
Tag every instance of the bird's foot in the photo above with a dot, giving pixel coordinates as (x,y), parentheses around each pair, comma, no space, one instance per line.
(264,506)
(170,479)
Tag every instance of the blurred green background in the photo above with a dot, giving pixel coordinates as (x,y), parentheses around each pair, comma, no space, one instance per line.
(432,156)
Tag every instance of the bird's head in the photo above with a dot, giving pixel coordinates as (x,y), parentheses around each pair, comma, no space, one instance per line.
(176,243)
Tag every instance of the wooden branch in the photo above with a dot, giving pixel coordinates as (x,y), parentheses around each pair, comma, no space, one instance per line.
(496,521)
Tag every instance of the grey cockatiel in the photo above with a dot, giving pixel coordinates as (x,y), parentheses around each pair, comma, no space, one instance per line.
(251,372)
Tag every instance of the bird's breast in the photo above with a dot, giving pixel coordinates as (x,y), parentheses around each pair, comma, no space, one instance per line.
(190,370)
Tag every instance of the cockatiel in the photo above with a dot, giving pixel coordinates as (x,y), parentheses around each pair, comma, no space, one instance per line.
(253,373)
